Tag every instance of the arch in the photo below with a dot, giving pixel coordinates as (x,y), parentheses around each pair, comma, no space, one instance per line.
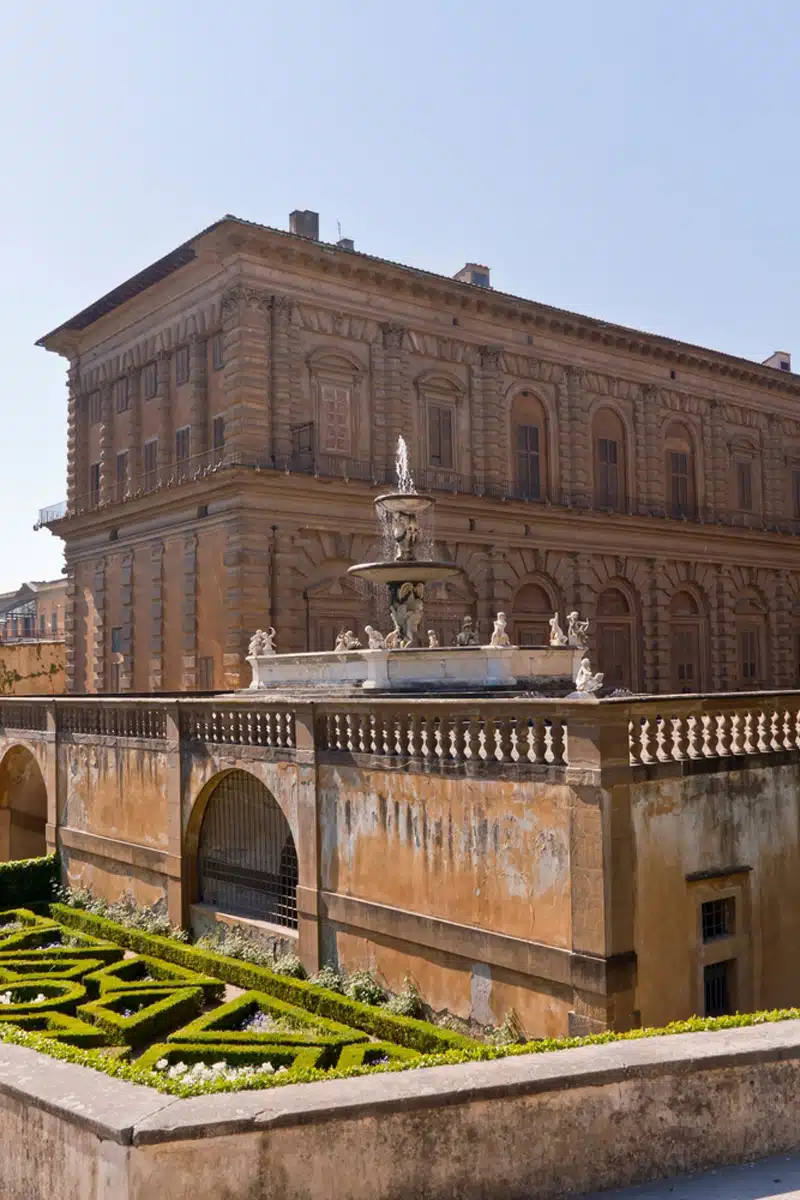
(243,850)
(23,806)
(688,641)
(609,459)
(752,641)
(680,470)
(336,359)
(617,635)
(533,605)
(440,381)
(529,446)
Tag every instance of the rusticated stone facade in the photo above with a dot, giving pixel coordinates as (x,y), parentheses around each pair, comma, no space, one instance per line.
(234,408)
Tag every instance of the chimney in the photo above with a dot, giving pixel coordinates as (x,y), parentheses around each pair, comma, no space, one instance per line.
(781,360)
(346,244)
(475,274)
(305,223)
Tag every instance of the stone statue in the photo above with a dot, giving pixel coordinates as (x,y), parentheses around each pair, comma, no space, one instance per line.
(405,531)
(262,643)
(433,641)
(468,636)
(347,641)
(557,635)
(577,631)
(500,638)
(405,605)
(375,639)
(585,681)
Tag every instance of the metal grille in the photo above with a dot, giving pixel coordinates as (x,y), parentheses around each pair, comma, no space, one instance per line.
(247,861)
(717,987)
(718,919)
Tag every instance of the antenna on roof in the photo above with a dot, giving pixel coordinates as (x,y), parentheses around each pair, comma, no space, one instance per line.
(339,227)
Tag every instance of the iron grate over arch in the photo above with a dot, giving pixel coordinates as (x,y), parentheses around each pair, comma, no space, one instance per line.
(247,861)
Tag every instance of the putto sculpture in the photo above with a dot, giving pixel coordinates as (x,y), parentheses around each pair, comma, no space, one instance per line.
(585,681)
(577,631)
(375,639)
(262,643)
(500,638)
(468,635)
(433,640)
(557,635)
(347,640)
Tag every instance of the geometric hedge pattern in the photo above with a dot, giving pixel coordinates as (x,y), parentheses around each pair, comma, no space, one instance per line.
(90,992)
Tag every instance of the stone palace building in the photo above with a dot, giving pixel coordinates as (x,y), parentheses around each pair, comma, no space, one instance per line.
(235,405)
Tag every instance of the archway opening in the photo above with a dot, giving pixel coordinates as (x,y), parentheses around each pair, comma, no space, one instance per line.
(246,859)
(687,643)
(531,611)
(615,628)
(23,806)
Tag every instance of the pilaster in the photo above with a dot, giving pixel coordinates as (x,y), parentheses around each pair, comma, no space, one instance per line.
(198,381)
(773,467)
(245,375)
(107,464)
(640,450)
(281,379)
(135,445)
(707,509)
(656,630)
(166,431)
(77,433)
(723,633)
(398,407)
(156,672)
(564,445)
(580,436)
(718,474)
(126,622)
(495,436)
(70,631)
(99,626)
(380,433)
(189,614)
(783,670)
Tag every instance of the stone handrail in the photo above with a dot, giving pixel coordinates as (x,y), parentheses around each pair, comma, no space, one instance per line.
(493,732)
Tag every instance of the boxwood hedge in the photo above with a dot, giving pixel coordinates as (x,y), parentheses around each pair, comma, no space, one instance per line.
(154,1014)
(223,1024)
(29,881)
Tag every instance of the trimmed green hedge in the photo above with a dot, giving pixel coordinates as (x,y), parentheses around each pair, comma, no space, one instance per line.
(24,916)
(403,1031)
(59,996)
(61,1027)
(298,1058)
(133,973)
(162,1011)
(222,1025)
(90,948)
(21,969)
(367,1054)
(29,881)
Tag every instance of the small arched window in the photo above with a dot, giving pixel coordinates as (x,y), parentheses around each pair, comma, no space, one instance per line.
(687,643)
(609,461)
(615,639)
(681,497)
(529,446)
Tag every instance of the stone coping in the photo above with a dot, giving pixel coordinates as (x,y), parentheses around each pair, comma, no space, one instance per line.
(131,1114)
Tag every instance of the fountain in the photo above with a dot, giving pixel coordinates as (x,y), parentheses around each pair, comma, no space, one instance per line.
(396,661)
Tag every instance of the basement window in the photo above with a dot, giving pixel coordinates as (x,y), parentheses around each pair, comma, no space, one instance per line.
(718,988)
(718,918)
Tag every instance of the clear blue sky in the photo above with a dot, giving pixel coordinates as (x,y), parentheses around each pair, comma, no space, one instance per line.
(635,160)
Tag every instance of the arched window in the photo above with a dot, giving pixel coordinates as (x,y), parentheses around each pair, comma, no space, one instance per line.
(745,477)
(681,497)
(247,861)
(335,383)
(443,437)
(687,643)
(751,642)
(333,605)
(610,463)
(615,639)
(529,447)
(532,609)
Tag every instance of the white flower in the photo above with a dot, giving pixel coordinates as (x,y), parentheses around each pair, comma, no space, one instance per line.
(162,1064)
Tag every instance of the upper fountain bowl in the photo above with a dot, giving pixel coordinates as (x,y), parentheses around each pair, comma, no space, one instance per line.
(404,502)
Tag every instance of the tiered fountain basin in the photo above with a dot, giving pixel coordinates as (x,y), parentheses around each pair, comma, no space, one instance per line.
(548,670)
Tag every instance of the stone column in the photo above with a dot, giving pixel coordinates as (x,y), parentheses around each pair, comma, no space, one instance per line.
(708,509)
(717,470)
(107,463)
(99,628)
(126,622)
(723,633)
(189,614)
(156,671)
(580,436)
(166,430)
(655,613)
(380,432)
(495,437)
(398,408)
(775,492)
(245,375)
(564,445)
(77,435)
(198,379)
(281,379)
(135,446)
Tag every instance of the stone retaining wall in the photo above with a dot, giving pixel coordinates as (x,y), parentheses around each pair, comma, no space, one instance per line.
(522,1128)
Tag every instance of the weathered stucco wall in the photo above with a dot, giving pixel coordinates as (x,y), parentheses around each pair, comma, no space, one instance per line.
(32,668)
(729,834)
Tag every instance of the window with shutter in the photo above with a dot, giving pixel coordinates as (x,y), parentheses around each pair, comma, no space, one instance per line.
(440,437)
(679,483)
(121,394)
(749,653)
(745,485)
(122,474)
(528,462)
(150,463)
(150,381)
(217,354)
(182,445)
(94,482)
(218,435)
(608,473)
(335,405)
(182,364)
(95,407)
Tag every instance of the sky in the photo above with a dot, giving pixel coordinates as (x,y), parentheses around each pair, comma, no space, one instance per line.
(633,160)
